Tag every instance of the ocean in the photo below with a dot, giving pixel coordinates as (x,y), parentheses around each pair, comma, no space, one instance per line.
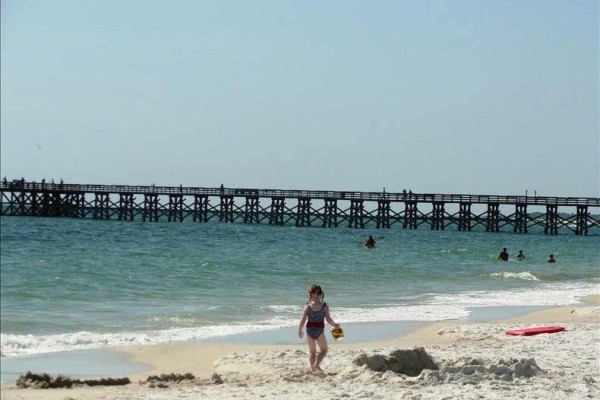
(72,284)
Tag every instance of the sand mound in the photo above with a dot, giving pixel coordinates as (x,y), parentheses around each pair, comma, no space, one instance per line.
(407,362)
(472,370)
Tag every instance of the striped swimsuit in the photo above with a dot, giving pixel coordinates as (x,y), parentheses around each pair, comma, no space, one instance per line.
(315,324)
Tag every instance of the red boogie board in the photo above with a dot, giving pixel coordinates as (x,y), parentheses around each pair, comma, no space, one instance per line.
(535,331)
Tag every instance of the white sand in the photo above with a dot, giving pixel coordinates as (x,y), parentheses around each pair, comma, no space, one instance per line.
(475,361)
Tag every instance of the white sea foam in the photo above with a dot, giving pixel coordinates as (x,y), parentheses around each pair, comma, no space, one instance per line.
(551,294)
(15,345)
(441,307)
(436,307)
(417,312)
(284,308)
(526,275)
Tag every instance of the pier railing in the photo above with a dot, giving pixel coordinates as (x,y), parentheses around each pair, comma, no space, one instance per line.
(313,194)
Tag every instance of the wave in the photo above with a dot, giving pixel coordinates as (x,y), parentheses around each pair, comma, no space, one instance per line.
(16,345)
(526,276)
(431,307)
(420,312)
(546,294)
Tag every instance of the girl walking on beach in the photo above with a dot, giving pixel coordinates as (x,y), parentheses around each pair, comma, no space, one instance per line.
(315,313)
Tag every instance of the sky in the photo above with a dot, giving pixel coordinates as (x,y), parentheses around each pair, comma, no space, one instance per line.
(478,97)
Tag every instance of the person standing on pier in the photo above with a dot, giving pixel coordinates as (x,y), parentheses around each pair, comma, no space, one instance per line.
(503,255)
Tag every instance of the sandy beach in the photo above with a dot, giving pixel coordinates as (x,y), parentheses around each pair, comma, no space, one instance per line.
(471,361)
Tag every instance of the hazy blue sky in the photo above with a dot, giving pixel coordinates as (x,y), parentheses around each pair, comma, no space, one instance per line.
(434,96)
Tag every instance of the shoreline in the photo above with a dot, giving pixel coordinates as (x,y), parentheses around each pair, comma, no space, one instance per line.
(117,360)
(242,362)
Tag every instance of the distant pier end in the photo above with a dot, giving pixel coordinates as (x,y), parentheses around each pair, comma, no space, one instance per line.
(382,210)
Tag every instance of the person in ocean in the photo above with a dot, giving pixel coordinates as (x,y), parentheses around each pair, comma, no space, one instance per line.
(503,255)
(370,242)
(520,255)
(315,313)
(551,259)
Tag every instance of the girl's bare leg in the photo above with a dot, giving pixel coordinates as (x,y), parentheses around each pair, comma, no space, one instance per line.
(312,351)
(322,341)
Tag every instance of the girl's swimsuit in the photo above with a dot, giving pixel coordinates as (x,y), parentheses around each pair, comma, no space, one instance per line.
(315,324)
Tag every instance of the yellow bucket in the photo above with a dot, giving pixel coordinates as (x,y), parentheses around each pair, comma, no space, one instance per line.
(337,333)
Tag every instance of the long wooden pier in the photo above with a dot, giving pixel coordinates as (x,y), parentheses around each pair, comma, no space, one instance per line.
(382,210)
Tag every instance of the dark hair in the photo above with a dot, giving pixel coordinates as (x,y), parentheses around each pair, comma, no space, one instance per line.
(315,289)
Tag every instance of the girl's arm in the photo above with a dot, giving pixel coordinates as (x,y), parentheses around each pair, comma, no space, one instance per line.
(330,321)
(301,324)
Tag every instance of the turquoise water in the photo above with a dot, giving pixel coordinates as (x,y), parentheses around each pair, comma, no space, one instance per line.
(73,284)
